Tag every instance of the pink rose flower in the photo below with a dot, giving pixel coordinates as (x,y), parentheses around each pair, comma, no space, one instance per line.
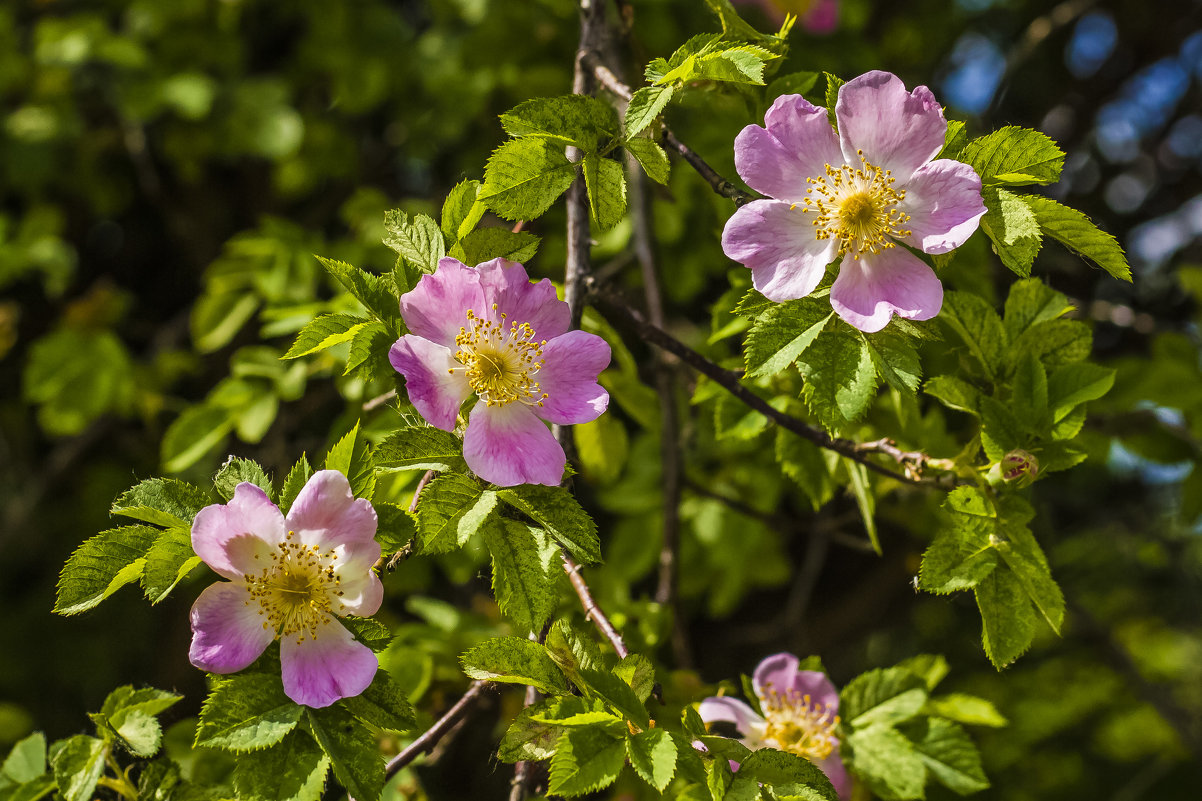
(289,577)
(800,716)
(855,195)
(488,331)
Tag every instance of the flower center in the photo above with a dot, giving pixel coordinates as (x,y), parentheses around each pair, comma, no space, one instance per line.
(295,589)
(500,362)
(797,725)
(857,207)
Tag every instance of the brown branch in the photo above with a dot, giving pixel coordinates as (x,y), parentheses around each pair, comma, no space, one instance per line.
(379,400)
(591,610)
(426,742)
(912,462)
(723,187)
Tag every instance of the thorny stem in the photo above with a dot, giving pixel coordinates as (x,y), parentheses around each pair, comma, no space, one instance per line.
(719,184)
(426,742)
(912,462)
(407,549)
(591,610)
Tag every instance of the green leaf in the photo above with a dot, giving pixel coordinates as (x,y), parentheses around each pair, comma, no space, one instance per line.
(557,511)
(606,183)
(525,571)
(1054,342)
(77,765)
(1029,393)
(236,471)
(130,715)
(577,120)
(572,651)
(965,709)
(369,631)
(1012,156)
(524,177)
(953,140)
(218,316)
(954,393)
(602,447)
(529,739)
(452,508)
(420,448)
(292,770)
(887,762)
(1073,384)
(962,554)
(645,105)
(840,377)
(351,457)
(27,759)
(650,156)
(396,526)
(896,360)
(617,694)
(418,241)
(789,775)
(32,790)
(652,754)
(295,481)
(164,502)
(833,82)
(1007,619)
(949,754)
(485,244)
(794,83)
(461,212)
(353,751)
(247,712)
(636,671)
(585,760)
(102,565)
(1012,227)
(865,500)
(514,660)
(573,711)
(325,332)
(805,463)
(370,290)
(976,323)
(1078,233)
(167,562)
(1032,301)
(198,430)
(368,353)
(1026,560)
(782,333)
(735,28)
(383,704)
(882,696)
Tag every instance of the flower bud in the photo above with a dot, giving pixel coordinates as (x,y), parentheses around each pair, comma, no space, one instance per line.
(1020,465)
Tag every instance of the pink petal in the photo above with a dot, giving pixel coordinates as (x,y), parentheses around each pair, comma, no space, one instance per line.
(778,244)
(326,514)
(868,292)
(896,129)
(796,143)
(506,284)
(730,710)
(818,687)
(434,390)
(228,629)
(823,17)
(833,767)
(437,307)
(318,671)
(361,590)
(510,445)
(249,513)
(571,364)
(944,202)
(776,673)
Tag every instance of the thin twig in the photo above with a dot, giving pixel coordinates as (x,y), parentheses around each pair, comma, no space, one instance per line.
(723,187)
(913,462)
(407,549)
(591,610)
(379,400)
(426,742)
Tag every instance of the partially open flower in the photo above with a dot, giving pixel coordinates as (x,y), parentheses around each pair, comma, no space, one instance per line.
(800,716)
(857,195)
(488,331)
(289,578)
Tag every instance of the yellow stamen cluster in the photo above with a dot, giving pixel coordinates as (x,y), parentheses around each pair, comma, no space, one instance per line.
(797,725)
(500,360)
(857,207)
(295,588)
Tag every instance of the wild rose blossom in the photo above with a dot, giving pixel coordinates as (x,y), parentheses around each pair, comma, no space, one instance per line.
(816,16)
(855,195)
(488,331)
(800,716)
(288,579)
